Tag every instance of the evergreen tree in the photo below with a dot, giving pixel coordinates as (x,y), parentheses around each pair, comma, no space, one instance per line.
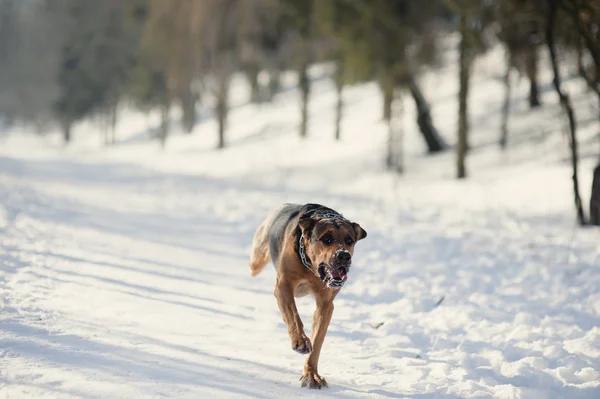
(95,64)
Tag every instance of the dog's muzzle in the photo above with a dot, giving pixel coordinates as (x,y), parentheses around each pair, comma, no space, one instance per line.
(336,274)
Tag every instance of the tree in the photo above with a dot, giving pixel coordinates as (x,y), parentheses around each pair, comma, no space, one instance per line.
(579,25)
(579,21)
(474,18)
(220,46)
(95,62)
(119,41)
(466,59)
(271,31)
(411,29)
(298,16)
(150,87)
(435,142)
(258,42)
(595,198)
(341,24)
(506,104)
(185,57)
(365,31)
(565,102)
(84,87)
(521,27)
(339,89)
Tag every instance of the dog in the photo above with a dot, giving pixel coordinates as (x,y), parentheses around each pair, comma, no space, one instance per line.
(311,247)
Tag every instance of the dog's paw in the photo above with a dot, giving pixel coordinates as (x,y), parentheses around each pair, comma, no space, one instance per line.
(313,381)
(301,344)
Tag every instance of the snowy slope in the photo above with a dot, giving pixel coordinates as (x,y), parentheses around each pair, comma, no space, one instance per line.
(123,271)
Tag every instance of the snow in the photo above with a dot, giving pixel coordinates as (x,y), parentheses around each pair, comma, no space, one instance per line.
(124,270)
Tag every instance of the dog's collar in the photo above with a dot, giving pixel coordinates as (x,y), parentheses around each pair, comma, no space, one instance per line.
(324,214)
(303,256)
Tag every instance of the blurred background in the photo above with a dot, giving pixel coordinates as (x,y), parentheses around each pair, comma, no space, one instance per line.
(68,62)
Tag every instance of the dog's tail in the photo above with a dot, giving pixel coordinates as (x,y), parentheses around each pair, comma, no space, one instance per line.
(260,254)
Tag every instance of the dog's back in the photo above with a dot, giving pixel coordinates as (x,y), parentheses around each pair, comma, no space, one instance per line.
(268,238)
(278,229)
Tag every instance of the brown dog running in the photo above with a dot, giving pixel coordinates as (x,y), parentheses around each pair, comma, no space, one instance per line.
(311,247)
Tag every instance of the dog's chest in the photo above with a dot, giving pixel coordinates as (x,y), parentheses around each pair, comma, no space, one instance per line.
(303,289)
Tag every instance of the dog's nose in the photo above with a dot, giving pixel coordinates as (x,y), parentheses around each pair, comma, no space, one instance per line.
(343,257)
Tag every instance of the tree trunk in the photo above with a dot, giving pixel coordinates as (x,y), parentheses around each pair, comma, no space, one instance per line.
(435,142)
(163,131)
(304,83)
(66,131)
(595,199)
(505,106)
(222,109)
(338,111)
(188,106)
(252,72)
(222,119)
(339,107)
(565,102)
(394,160)
(113,124)
(532,74)
(592,81)
(388,99)
(274,82)
(224,62)
(389,159)
(463,94)
(397,123)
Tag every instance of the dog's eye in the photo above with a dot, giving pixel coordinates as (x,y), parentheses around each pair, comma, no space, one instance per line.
(349,241)
(327,239)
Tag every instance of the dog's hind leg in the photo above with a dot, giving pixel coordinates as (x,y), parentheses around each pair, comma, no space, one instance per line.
(260,254)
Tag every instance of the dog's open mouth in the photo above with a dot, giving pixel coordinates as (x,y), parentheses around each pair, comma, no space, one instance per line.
(333,277)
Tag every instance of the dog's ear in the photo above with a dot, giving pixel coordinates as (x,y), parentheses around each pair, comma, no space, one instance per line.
(359,231)
(306,225)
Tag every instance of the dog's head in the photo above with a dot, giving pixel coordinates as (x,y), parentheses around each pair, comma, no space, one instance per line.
(329,244)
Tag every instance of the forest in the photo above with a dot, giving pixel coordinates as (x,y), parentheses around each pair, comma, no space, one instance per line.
(70,60)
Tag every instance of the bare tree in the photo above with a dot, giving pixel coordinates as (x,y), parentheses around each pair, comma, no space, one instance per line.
(463,94)
(298,15)
(506,104)
(595,198)
(520,25)
(395,155)
(257,42)
(565,102)
(532,61)
(585,19)
(220,53)
(435,142)
(474,18)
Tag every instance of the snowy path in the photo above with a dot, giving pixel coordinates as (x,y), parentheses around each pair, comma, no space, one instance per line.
(121,282)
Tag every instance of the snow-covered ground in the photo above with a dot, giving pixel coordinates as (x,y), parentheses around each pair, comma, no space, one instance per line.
(124,271)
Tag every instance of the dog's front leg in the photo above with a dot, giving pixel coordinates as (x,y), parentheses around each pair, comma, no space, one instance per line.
(287,306)
(321,320)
